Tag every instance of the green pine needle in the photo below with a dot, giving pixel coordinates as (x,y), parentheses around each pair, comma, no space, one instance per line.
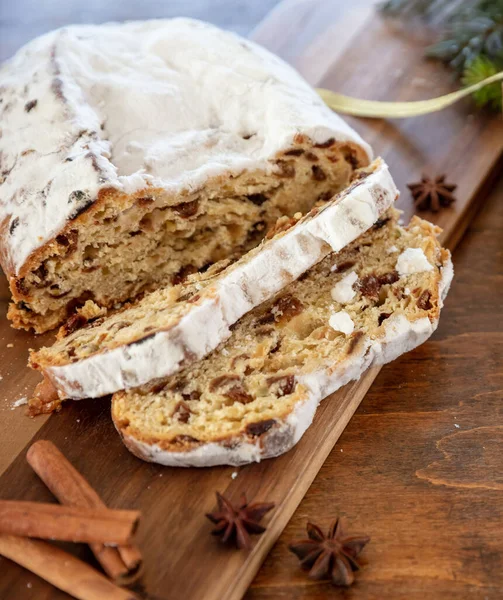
(490,95)
(472,38)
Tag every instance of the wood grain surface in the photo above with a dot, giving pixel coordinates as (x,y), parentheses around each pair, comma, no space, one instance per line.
(182,560)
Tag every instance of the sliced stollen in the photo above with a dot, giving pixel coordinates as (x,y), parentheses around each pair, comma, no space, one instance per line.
(256,394)
(173,326)
(133,151)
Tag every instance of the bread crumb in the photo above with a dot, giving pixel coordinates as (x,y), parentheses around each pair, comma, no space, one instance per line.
(457,426)
(19,402)
(91,310)
(10,345)
(234,475)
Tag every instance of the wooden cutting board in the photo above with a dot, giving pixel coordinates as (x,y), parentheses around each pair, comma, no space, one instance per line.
(348,50)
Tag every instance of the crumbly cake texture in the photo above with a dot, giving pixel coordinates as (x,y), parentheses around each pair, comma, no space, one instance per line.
(176,325)
(256,394)
(135,153)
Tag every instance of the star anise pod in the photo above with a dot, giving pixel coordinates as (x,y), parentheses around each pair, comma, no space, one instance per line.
(235,523)
(332,556)
(432,193)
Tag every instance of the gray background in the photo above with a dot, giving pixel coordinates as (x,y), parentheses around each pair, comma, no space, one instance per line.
(22,20)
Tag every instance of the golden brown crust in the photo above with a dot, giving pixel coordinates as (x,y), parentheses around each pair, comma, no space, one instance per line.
(35,323)
(45,399)
(252,430)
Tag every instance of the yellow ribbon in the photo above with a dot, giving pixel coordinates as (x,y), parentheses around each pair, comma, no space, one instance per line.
(398,110)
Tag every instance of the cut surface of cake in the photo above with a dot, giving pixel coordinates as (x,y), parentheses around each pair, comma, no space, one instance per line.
(255,395)
(176,325)
(136,153)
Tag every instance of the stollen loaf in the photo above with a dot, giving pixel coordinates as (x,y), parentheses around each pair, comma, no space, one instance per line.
(133,154)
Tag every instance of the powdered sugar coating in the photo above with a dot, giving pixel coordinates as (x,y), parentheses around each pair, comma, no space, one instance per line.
(400,336)
(237,290)
(161,103)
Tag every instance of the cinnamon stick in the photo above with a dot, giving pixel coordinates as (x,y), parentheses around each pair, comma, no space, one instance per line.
(62,570)
(67,523)
(71,488)
(132,558)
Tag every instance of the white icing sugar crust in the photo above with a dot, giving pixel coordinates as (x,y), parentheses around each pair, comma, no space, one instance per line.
(238,289)
(161,103)
(400,336)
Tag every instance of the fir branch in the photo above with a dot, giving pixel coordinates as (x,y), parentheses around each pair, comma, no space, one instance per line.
(476,71)
(472,33)
(436,12)
(472,37)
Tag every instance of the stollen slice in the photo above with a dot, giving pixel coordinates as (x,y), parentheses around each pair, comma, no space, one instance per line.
(256,394)
(176,325)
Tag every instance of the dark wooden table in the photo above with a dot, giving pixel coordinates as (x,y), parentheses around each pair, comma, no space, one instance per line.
(420,466)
